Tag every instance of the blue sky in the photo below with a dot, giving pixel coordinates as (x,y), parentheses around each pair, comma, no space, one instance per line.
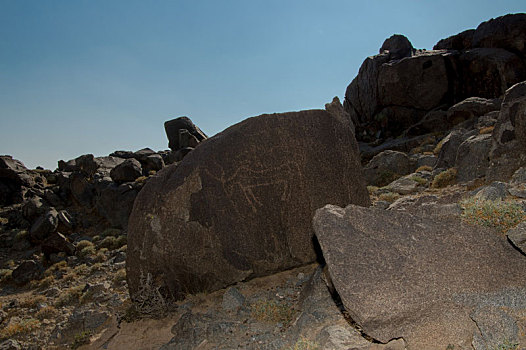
(96,76)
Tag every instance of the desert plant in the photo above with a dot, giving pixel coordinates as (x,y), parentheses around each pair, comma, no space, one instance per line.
(420,180)
(119,276)
(87,251)
(71,296)
(438,147)
(80,339)
(424,168)
(372,189)
(109,242)
(83,244)
(23,327)
(33,301)
(46,312)
(272,311)
(5,275)
(500,215)
(389,197)
(486,130)
(113,232)
(304,344)
(445,178)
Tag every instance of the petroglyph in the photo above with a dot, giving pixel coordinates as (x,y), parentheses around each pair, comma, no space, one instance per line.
(248,180)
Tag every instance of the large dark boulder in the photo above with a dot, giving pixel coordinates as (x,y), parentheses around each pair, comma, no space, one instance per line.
(421,279)
(398,47)
(172,128)
(507,32)
(392,94)
(13,177)
(509,136)
(460,41)
(240,205)
(127,171)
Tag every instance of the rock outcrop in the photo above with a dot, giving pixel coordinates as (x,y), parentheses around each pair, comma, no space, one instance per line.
(428,281)
(240,204)
(394,92)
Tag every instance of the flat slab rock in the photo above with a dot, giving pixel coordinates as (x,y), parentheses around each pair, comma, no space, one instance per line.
(421,279)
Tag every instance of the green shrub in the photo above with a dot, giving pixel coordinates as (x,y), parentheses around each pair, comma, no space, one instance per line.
(420,180)
(498,214)
(445,178)
(87,251)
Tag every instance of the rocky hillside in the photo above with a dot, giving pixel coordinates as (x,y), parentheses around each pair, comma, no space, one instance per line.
(395,221)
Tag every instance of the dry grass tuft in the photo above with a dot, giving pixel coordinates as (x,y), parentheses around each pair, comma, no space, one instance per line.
(272,311)
(445,178)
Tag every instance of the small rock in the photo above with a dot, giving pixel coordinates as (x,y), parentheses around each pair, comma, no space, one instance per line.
(519,177)
(27,271)
(56,243)
(495,191)
(517,236)
(232,299)
(44,225)
(153,162)
(404,185)
(127,171)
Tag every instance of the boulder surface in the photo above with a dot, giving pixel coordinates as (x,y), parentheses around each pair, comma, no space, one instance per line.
(420,279)
(240,205)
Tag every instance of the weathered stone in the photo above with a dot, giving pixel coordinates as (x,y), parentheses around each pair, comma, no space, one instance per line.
(473,157)
(433,121)
(172,128)
(507,32)
(398,47)
(420,82)
(248,214)
(232,299)
(519,177)
(81,189)
(487,72)
(153,162)
(426,160)
(27,271)
(517,236)
(509,136)
(127,171)
(386,166)
(470,108)
(115,203)
(45,224)
(33,208)
(495,191)
(89,165)
(67,166)
(57,243)
(494,327)
(460,41)
(404,185)
(428,275)
(123,154)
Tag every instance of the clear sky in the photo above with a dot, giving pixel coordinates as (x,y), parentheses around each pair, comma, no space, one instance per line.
(96,76)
